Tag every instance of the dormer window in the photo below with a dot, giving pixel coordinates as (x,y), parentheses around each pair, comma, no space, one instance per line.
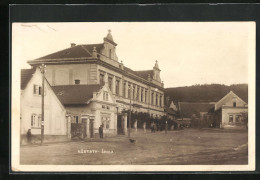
(234,104)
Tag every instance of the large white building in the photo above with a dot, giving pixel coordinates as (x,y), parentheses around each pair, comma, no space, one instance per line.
(94,64)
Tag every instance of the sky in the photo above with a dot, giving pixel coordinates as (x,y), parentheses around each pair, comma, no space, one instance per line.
(188,53)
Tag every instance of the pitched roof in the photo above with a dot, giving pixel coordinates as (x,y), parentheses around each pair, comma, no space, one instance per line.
(75,94)
(187,109)
(144,74)
(78,51)
(229,96)
(26,75)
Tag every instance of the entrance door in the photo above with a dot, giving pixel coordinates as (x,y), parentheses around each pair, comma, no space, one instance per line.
(91,127)
(120,125)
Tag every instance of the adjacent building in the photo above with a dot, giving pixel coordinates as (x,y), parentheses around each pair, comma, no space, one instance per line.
(88,107)
(230,112)
(55,123)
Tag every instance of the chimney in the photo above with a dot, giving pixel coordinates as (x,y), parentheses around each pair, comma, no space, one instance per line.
(77,81)
(72,44)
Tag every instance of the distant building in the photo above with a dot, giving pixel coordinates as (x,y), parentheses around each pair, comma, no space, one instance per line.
(55,123)
(229,112)
(171,111)
(90,65)
(194,114)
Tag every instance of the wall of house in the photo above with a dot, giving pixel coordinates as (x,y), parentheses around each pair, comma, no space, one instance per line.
(66,74)
(55,122)
(99,108)
(229,110)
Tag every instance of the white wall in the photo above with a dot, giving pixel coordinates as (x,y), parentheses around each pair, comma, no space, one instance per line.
(54,115)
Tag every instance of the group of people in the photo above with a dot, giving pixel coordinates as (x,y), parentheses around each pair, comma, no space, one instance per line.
(157,127)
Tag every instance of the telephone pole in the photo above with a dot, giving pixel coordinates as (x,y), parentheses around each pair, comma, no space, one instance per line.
(42,68)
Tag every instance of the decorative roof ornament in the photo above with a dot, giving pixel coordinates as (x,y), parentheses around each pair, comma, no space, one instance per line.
(109,36)
(94,52)
(156,65)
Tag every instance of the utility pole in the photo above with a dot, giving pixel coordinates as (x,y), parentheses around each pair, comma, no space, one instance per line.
(42,68)
(129,122)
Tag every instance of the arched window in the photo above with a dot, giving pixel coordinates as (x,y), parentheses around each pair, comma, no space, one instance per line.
(234,104)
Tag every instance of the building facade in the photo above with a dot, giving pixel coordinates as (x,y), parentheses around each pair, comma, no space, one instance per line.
(88,107)
(230,112)
(55,122)
(94,64)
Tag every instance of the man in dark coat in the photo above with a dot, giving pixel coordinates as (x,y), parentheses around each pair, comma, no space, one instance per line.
(100,129)
(29,136)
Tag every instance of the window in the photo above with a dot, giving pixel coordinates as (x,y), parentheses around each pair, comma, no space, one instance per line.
(108,107)
(145,96)
(156,100)
(105,96)
(137,95)
(101,78)
(124,88)
(110,83)
(238,118)
(35,121)
(37,89)
(142,98)
(234,104)
(230,118)
(117,87)
(152,99)
(76,119)
(133,93)
(160,101)
(129,91)
(103,106)
(105,121)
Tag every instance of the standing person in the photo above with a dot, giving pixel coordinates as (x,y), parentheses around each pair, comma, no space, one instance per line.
(29,136)
(166,127)
(100,129)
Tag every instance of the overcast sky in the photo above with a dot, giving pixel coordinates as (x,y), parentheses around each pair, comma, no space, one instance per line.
(187,53)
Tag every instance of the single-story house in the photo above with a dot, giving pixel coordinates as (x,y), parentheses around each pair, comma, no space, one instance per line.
(230,112)
(89,106)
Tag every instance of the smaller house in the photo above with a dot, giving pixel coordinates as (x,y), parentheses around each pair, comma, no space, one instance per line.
(230,112)
(89,107)
(55,122)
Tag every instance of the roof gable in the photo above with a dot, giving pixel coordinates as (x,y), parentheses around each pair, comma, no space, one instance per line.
(229,99)
(26,75)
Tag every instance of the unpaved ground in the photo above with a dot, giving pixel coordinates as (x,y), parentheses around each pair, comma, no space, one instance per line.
(189,146)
